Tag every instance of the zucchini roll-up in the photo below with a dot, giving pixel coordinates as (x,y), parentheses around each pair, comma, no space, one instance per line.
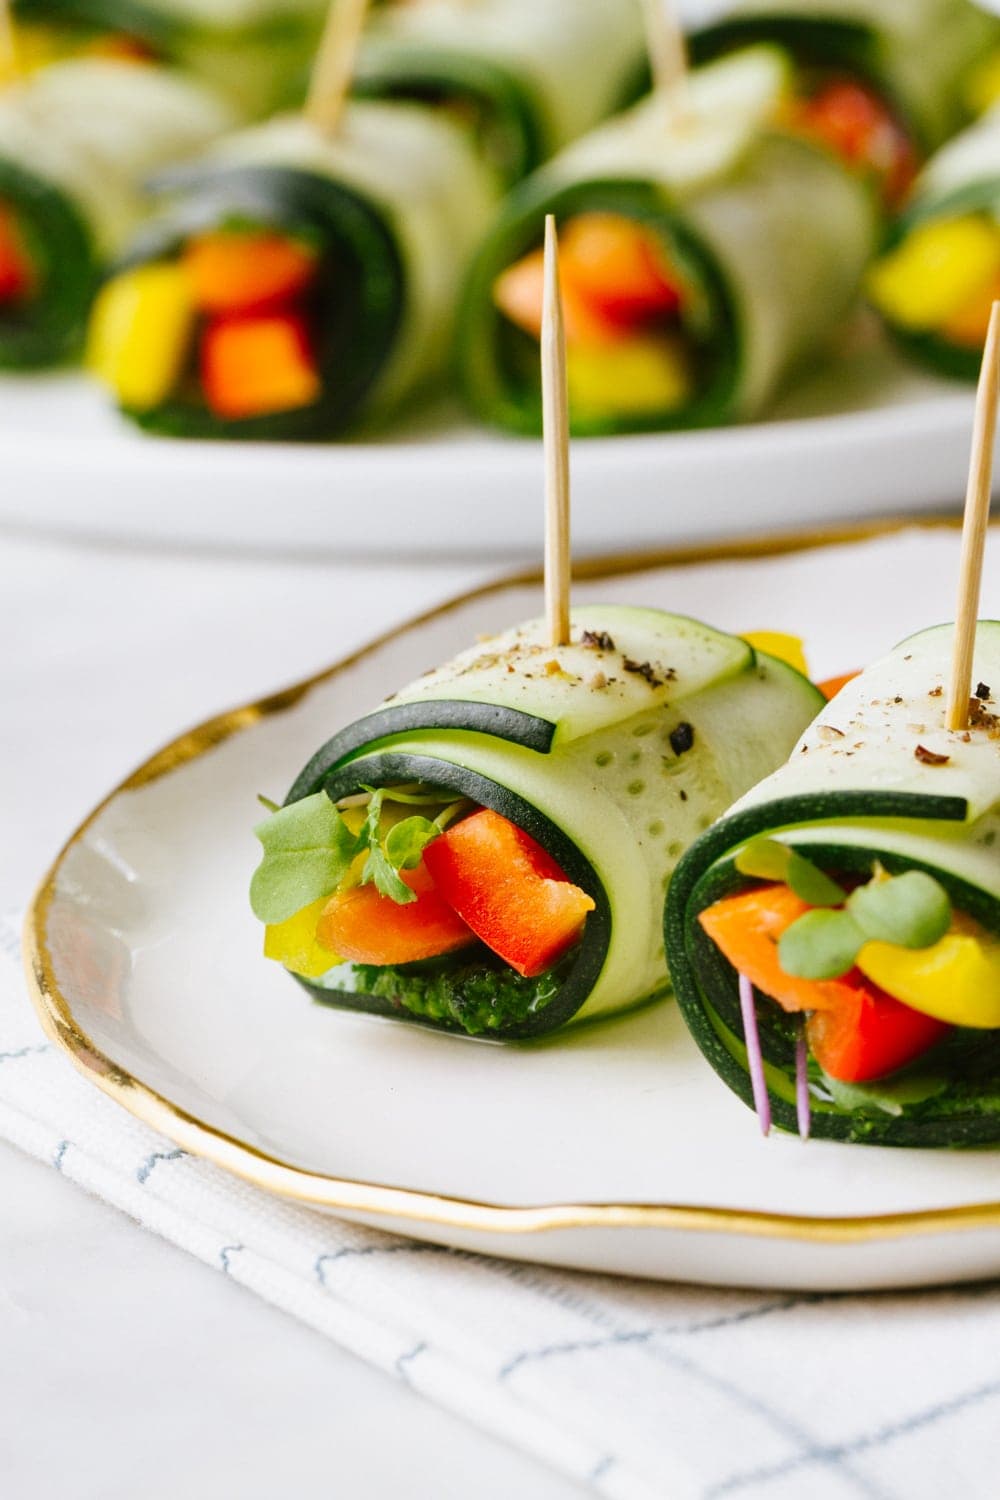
(835,941)
(882,81)
(527,78)
(487,852)
(255,53)
(704,256)
(76,142)
(300,281)
(936,281)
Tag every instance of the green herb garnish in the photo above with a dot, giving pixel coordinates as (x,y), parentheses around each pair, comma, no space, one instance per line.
(911,910)
(769,859)
(309,849)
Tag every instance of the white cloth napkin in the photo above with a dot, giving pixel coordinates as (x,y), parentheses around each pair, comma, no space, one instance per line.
(638,1390)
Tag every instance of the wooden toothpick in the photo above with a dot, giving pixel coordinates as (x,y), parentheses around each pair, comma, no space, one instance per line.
(668,56)
(333,69)
(974,527)
(555,435)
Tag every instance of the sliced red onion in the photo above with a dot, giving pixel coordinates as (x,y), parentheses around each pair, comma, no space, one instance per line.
(802,1107)
(755,1059)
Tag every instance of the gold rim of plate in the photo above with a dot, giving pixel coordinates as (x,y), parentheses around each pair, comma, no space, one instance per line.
(409,1204)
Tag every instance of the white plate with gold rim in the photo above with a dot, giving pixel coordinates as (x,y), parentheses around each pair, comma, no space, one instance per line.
(615,1148)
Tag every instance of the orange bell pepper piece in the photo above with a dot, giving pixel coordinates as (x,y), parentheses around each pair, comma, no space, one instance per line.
(620,269)
(236,272)
(831,686)
(365,927)
(251,367)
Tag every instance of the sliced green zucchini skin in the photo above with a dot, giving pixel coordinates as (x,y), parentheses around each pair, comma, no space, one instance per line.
(359,332)
(586,782)
(258,63)
(398,198)
(539,78)
(914,56)
(76,182)
(963,178)
(439,713)
(405,72)
(844,830)
(775,243)
(51,327)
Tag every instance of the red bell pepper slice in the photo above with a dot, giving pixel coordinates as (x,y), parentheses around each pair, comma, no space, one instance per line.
(17,273)
(509,890)
(855,1030)
(859,127)
(869,1034)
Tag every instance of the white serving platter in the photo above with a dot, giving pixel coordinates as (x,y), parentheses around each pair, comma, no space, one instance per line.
(615,1148)
(865,436)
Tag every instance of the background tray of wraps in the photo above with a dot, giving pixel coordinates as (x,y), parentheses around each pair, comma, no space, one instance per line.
(863,437)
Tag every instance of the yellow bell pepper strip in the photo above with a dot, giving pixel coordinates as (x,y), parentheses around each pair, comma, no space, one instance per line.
(140,333)
(633,376)
(294,944)
(936,271)
(982,85)
(956,980)
(787,648)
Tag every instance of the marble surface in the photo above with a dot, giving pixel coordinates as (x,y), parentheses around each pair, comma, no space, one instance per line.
(127,1368)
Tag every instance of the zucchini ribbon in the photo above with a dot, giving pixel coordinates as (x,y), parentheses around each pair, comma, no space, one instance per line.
(256,53)
(955,208)
(76,142)
(915,53)
(875,785)
(527,77)
(611,752)
(393,204)
(767,234)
